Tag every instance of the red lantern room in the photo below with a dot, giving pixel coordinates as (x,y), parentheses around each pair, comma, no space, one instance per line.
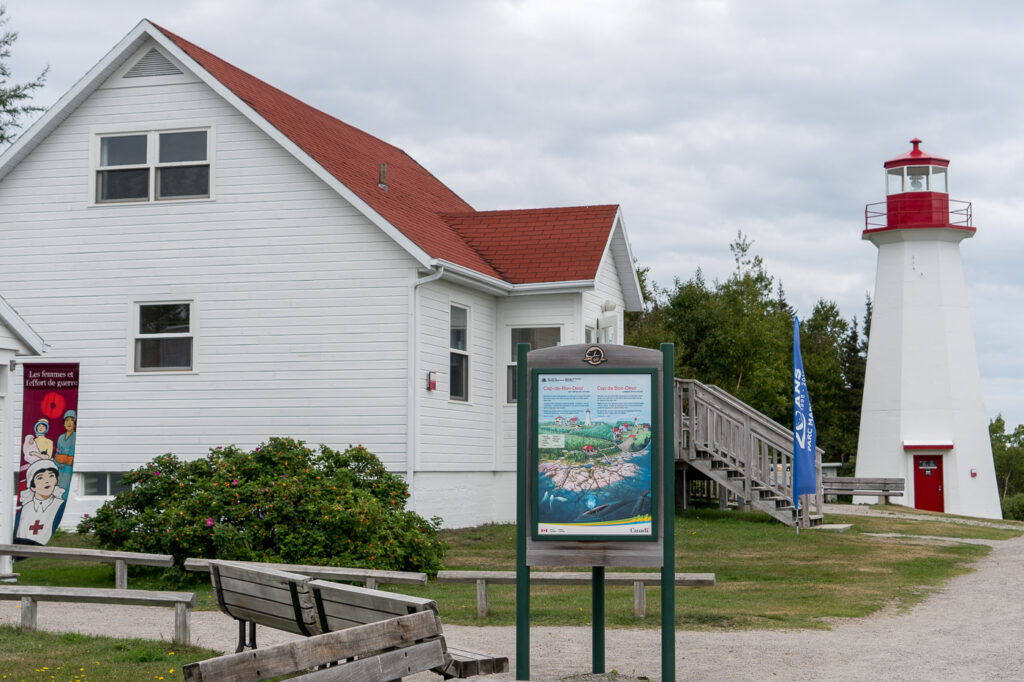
(917,195)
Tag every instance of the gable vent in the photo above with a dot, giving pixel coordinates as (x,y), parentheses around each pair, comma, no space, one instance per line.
(153,64)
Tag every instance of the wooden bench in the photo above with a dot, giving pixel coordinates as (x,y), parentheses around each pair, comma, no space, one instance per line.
(30,595)
(369,577)
(297,603)
(883,488)
(385,650)
(639,581)
(121,560)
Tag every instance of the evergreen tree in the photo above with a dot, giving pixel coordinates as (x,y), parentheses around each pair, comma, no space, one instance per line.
(14,97)
(737,335)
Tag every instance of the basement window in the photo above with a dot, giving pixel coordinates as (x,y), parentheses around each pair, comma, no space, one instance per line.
(102,483)
(153,166)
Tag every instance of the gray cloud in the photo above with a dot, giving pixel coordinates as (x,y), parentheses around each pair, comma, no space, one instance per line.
(699,118)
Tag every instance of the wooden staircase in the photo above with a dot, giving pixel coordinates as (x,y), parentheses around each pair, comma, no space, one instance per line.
(743,451)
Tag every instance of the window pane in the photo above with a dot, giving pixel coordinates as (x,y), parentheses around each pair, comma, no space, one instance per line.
(94,483)
(458,388)
(122,151)
(172,353)
(458,328)
(939,179)
(917,179)
(164,318)
(116,487)
(190,146)
(183,181)
(537,337)
(513,384)
(124,184)
(894,181)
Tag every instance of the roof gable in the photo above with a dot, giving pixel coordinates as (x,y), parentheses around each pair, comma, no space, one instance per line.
(413,198)
(10,318)
(500,249)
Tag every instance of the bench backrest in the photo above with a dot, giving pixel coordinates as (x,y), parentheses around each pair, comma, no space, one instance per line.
(343,606)
(278,599)
(851,483)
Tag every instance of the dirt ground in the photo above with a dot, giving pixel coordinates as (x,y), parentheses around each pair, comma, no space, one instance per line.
(971,629)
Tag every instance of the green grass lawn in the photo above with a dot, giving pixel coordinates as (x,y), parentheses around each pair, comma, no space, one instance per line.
(768,576)
(45,657)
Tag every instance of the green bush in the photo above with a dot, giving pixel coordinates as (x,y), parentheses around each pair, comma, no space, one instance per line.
(1013,507)
(282,502)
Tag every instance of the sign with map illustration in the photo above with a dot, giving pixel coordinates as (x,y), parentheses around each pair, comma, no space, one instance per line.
(594,445)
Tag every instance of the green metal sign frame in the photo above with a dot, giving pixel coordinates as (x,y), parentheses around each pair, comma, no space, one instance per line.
(666,439)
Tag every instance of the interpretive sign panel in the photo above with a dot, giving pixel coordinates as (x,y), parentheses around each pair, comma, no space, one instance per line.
(596,475)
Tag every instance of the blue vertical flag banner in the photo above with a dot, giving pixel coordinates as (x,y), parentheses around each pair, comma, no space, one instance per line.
(805,435)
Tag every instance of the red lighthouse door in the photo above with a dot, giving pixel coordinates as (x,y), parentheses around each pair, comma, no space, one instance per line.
(928,483)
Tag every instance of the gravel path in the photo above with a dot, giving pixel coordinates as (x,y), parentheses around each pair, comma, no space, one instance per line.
(971,629)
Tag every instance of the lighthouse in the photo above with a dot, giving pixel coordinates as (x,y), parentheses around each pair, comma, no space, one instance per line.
(923,416)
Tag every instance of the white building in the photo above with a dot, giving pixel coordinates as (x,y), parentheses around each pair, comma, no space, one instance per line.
(923,417)
(17,341)
(228,264)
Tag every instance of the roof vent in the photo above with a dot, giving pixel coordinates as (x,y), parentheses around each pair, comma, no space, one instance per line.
(382,177)
(154,63)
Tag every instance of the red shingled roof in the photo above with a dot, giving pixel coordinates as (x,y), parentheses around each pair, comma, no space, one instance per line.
(542,245)
(539,245)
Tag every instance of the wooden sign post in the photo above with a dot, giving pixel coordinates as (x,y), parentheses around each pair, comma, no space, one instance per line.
(595,475)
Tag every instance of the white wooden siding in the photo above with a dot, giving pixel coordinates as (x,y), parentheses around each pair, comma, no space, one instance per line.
(454,435)
(8,341)
(551,310)
(299,301)
(607,287)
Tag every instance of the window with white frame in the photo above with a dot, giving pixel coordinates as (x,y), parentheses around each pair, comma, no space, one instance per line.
(105,483)
(458,345)
(153,166)
(537,337)
(164,338)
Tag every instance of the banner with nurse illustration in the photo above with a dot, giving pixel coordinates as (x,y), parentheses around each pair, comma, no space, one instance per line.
(49,423)
(594,438)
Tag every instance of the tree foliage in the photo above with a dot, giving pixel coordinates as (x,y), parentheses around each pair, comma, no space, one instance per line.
(1008,456)
(737,334)
(14,97)
(281,502)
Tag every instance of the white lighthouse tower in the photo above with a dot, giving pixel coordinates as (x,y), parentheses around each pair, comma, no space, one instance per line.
(923,416)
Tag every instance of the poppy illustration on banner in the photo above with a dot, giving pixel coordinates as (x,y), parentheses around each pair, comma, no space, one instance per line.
(49,423)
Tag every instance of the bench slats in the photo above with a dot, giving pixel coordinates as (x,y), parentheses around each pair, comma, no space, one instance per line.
(31,595)
(359,575)
(342,606)
(575,578)
(99,555)
(391,665)
(282,609)
(260,664)
(97,595)
(280,599)
(374,600)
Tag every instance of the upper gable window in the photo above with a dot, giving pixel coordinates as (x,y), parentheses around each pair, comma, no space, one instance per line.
(153,166)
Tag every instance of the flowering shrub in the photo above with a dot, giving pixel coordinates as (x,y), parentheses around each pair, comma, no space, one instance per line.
(282,502)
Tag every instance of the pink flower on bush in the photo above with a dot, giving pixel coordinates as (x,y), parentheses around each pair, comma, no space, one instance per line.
(234,482)
(209,522)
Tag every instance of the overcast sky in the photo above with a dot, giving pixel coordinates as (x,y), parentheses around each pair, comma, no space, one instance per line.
(699,118)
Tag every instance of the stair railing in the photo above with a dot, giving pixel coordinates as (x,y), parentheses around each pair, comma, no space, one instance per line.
(714,421)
